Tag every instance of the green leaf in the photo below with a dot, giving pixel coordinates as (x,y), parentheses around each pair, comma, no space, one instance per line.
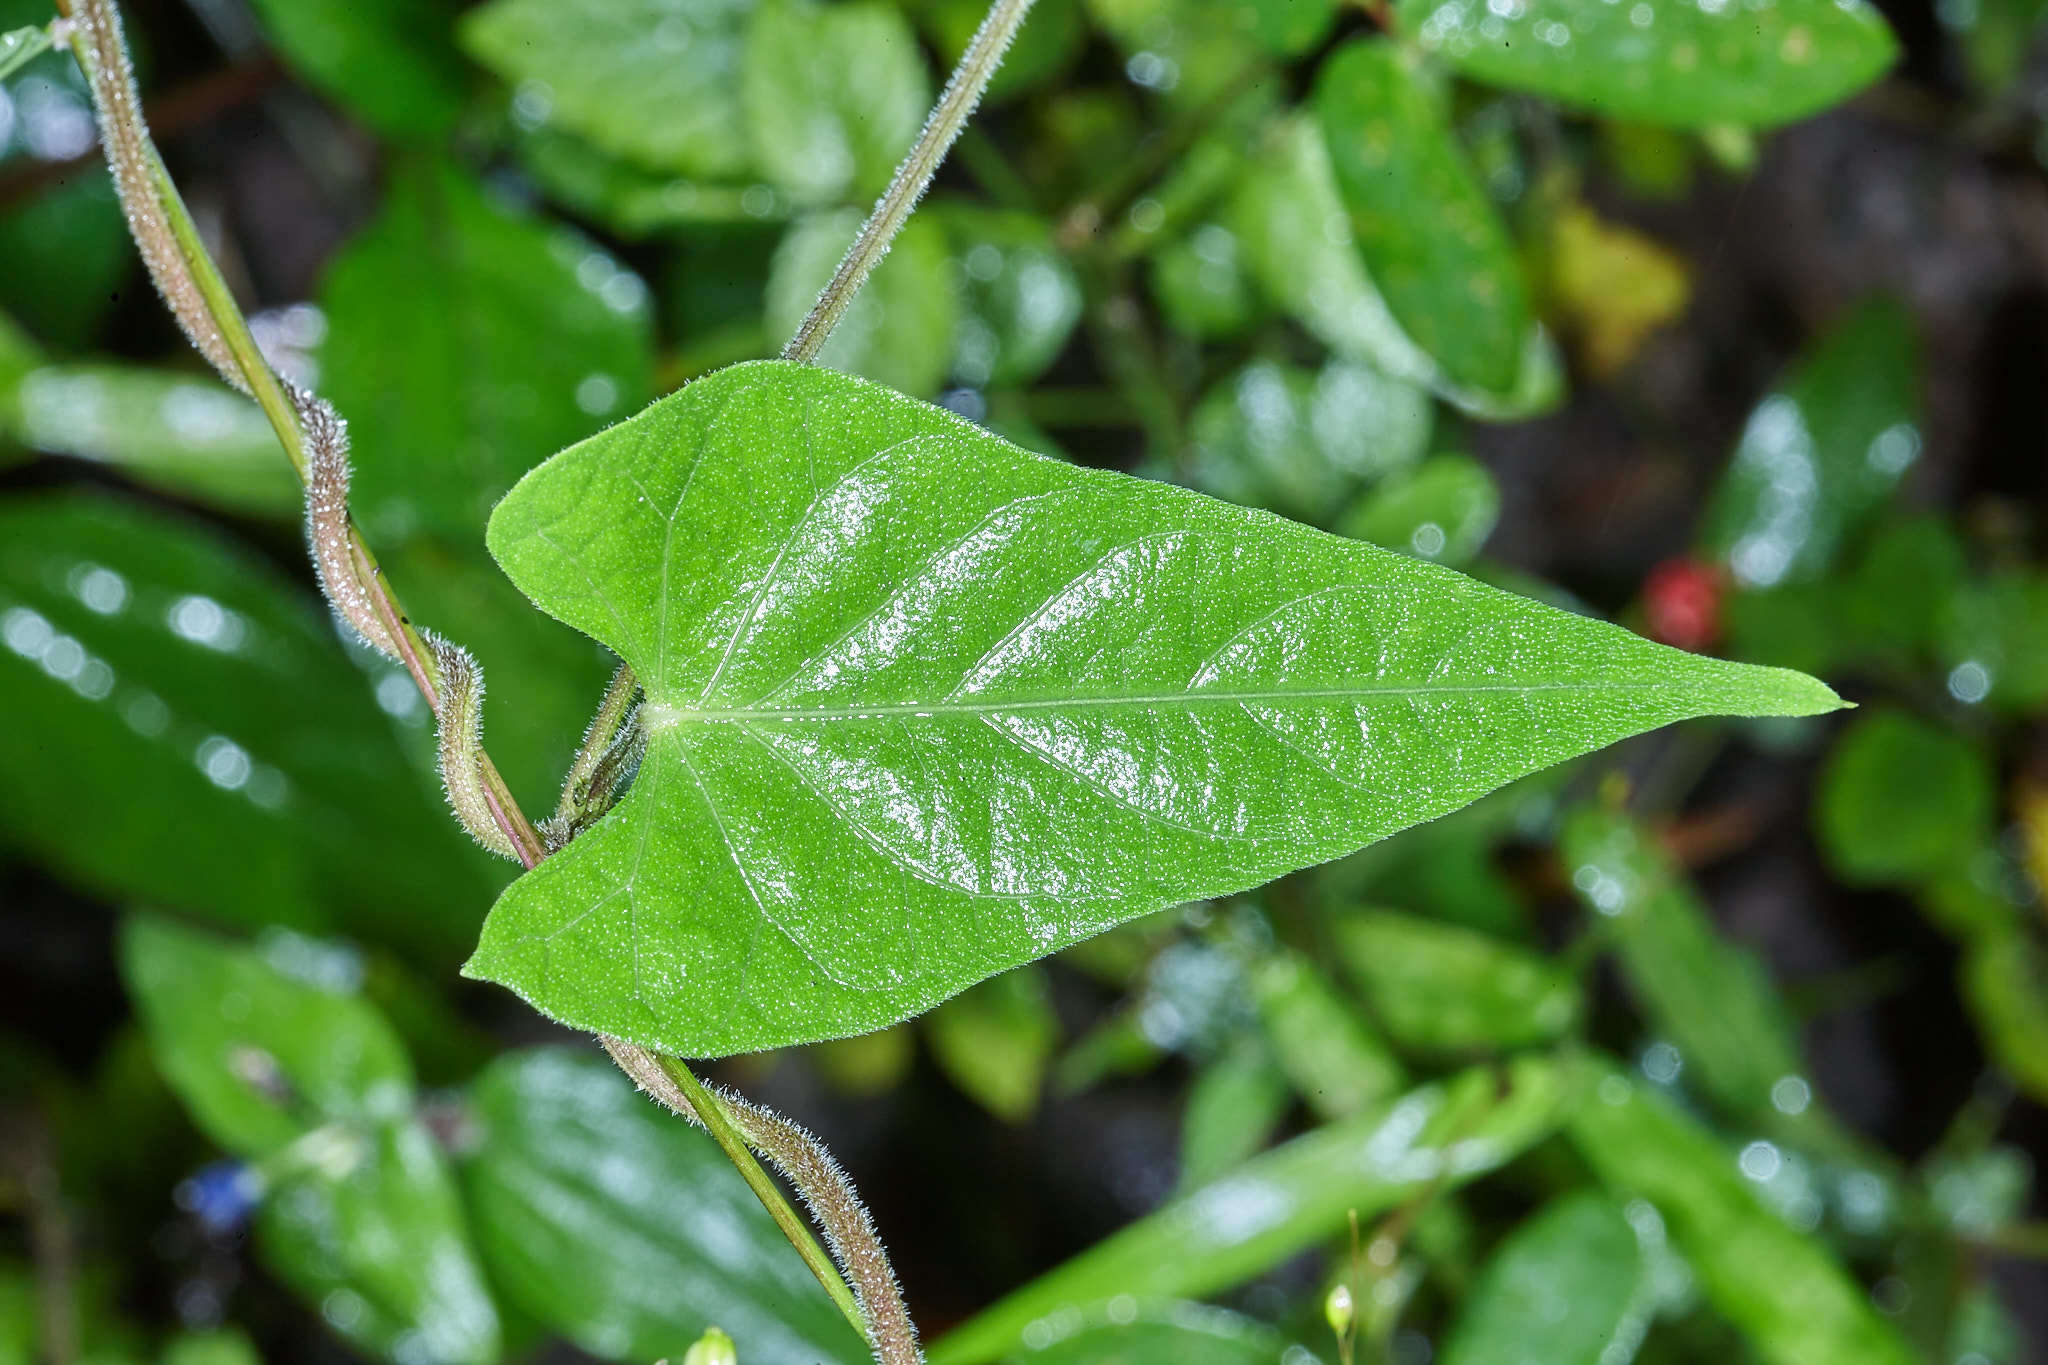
(259,1057)
(1233,1107)
(224,1347)
(1563,1289)
(1428,234)
(1293,228)
(1439,988)
(177,432)
(1334,1061)
(1444,509)
(1710,999)
(860,621)
(997,1040)
(1822,453)
(1781,1289)
(631,200)
(1155,1332)
(1044,47)
(1993,642)
(899,329)
(373,1235)
(1680,65)
(830,130)
(67,250)
(392,61)
(654,81)
(1285,1200)
(467,343)
(1019,299)
(1203,287)
(1901,800)
(625,1229)
(2005,982)
(20,46)
(146,668)
(1276,436)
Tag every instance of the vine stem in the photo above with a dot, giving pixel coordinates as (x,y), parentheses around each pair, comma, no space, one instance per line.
(956,104)
(192,286)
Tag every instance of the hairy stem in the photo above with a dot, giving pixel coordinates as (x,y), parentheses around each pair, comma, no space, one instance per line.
(962,93)
(199,298)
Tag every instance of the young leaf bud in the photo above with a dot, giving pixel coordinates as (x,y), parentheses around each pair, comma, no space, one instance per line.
(461,685)
(327,523)
(713,1348)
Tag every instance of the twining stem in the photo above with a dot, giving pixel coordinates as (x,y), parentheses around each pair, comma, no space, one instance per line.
(199,298)
(962,93)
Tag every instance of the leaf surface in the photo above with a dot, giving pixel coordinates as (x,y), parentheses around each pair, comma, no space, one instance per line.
(1562,1290)
(391,61)
(1679,64)
(923,706)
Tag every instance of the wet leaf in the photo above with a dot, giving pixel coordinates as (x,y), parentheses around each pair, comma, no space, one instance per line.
(1335,1062)
(1155,1332)
(177,432)
(1677,64)
(828,131)
(391,61)
(1563,1289)
(468,342)
(1822,454)
(653,81)
(1298,244)
(1439,988)
(996,1041)
(147,668)
(1780,1288)
(260,1057)
(1711,999)
(899,330)
(860,620)
(1435,1137)
(1297,441)
(1429,236)
(1901,800)
(625,1229)
(1441,510)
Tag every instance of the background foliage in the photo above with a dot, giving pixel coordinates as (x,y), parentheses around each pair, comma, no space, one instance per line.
(1728,1044)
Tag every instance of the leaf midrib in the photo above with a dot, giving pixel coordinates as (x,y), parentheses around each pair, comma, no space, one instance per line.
(657,717)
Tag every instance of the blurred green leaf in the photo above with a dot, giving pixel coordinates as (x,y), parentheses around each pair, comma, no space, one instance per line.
(1335,1062)
(258,1056)
(371,1231)
(1691,67)
(1707,997)
(468,343)
(391,61)
(1900,589)
(20,46)
(1442,510)
(996,1041)
(1996,37)
(149,668)
(1278,1203)
(1562,1289)
(1901,800)
(1438,988)
(1276,436)
(630,199)
(1233,1107)
(1019,299)
(1202,284)
(626,1229)
(1043,48)
(1190,52)
(224,1347)
(182,433)
(899,329)
(1293,229)
(1993,643)
(2005,984)
(831,130)
(1822,454)
(1129,1331)
(67,250)
(1780,1288)
(960,622)
(1427,232)
(1981,1191)
(654,81)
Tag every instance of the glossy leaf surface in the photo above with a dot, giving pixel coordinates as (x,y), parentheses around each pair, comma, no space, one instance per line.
(1685,65)
(1428,234)
(1256,1216)
(144,669)
(1441,988)
(923,707)
(830,130)
(626,1229)
(654,81)
(1561,1290)
(391,61)
(469,343)
(1780,1288)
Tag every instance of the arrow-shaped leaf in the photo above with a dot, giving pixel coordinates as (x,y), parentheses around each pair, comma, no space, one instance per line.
(923,706)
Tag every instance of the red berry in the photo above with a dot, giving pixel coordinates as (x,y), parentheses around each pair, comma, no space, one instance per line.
(1682,603)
